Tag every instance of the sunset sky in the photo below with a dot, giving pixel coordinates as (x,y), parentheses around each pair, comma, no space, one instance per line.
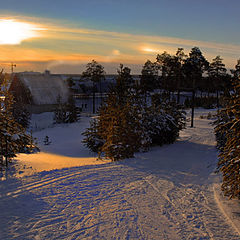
(64,35)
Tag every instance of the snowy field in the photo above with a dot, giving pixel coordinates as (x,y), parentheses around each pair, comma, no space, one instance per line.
(170,192)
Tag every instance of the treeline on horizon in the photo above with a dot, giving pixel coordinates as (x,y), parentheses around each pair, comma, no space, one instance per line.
(178,72)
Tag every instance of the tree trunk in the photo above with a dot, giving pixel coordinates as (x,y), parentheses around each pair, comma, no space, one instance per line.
(100,84)
(93,98)
(6,152)
(193,103)
(6,146)
(178,96)
(93,101)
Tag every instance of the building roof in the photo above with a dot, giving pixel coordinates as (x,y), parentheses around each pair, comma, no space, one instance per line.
(44,87)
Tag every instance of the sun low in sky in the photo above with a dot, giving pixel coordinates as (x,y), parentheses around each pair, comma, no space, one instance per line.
(14,32)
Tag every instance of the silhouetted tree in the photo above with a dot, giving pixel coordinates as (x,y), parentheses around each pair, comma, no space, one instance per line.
(217,73)
(194,67)
(178,70)
(149,77)
(95,73)
(70,84)
(236,71)
(163,63)
(170,67)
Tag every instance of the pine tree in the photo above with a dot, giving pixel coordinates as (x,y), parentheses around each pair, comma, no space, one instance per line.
(217,73)
(60,113)
(66,112)
(116,128)
(171,68)
(221,128)
(92,138)
(168,119)
(126,124)
(229,129)
(118,121)
(95,73)
(178,70)
(162,62)
(149,77)
(21,114)
(236,71)
(73,112)
(194,67)
(13,137)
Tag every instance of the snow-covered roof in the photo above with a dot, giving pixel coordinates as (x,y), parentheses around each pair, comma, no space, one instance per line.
(45,88)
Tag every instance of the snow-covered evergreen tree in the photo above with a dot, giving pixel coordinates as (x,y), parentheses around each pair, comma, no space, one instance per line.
(228,136)
(168,119)
(60,113)
(21,114)
(66,112)
(73,112)
(126,124)
(92,139)
(13,137)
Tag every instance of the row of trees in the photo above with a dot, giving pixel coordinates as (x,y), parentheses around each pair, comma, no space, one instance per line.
(185,72)
(13,136)
(174,73)
(126,124)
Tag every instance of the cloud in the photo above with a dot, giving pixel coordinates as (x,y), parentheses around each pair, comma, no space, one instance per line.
(126,39)
(60,44)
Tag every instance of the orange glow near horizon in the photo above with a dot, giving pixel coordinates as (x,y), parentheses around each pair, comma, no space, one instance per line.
(150,50)
(34,46)
(13,32)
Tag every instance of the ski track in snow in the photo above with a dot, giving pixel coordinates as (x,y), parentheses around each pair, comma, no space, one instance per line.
(142,198)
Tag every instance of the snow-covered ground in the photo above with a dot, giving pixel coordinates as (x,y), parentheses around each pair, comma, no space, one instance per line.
(170,192)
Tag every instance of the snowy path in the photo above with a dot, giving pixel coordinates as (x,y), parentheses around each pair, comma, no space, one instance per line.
(166,193)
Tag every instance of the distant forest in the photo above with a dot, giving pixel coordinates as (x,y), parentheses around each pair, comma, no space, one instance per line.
(179,72)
